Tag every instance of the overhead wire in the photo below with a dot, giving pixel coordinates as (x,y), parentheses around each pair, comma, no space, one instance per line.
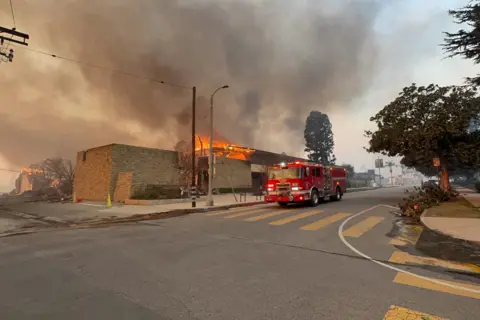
(13,14)
(91,65)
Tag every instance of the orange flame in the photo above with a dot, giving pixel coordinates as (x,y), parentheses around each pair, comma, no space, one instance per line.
(222,148)
(31,171)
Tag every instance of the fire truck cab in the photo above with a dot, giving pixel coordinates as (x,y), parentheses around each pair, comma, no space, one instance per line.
(299,181)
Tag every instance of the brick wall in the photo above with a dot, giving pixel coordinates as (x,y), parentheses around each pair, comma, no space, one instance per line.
(148,166)
(123,187)
(25,184)
(232,172)
(93,173)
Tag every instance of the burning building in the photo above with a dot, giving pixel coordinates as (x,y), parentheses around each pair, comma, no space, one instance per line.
(120,170)
(30,180)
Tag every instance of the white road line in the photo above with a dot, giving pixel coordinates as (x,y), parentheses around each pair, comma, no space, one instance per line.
(358,252)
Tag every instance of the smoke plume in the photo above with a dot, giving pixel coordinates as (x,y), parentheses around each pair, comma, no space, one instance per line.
(281,58)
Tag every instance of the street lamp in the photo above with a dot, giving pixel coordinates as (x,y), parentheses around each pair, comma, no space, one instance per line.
(210,158)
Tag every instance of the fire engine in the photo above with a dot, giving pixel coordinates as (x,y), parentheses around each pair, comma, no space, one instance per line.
(305,182)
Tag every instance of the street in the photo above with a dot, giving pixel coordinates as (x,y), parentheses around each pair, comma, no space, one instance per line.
(340,260)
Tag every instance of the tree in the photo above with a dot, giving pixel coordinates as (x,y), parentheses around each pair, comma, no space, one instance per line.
(184,164)
(319,138)
(61,169)
(350,170)
(423,123)
(466,43)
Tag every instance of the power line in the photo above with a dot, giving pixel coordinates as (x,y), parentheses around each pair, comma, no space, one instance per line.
(91,65)
(13,14)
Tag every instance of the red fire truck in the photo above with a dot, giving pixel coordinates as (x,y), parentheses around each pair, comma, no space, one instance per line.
(305,182)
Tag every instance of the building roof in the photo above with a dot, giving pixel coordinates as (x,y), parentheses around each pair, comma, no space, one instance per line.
(269,158)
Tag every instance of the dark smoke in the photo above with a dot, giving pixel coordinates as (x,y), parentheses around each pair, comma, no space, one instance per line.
(281,58)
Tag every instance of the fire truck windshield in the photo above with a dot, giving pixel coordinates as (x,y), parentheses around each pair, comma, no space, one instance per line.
(287,173)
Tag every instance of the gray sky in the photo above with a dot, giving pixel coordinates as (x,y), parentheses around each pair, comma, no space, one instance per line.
(281,58)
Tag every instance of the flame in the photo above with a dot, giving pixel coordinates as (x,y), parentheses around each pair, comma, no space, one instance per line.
(222,148)
(55,183)
(31,171)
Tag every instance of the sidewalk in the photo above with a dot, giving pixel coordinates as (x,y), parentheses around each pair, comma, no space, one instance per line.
(459,219)
(96,210)
(68,212)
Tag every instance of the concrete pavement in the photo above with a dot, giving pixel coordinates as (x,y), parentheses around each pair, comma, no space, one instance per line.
(94,210)
(459,219)
(262,262)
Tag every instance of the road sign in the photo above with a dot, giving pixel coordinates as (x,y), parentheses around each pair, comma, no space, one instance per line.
(378,163)
(436,162)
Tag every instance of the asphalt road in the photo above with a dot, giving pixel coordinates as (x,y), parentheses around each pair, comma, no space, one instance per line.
(240,264)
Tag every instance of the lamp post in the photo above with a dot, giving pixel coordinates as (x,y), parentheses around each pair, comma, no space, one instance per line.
(210,157)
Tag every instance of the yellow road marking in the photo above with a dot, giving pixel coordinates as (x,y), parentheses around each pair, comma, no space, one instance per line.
(268,215)
(217,213)
(399,313)
(362,227)
(410,235)
(404,257)
(403,278)
(246,213)
(295,217)
(398,241)
(324,222)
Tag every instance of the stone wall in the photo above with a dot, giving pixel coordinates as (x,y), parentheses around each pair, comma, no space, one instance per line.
(93,173)
(147,165)
(232,172)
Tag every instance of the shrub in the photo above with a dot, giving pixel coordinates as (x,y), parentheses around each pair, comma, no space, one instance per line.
(425,198)
(156,192)
(477,186)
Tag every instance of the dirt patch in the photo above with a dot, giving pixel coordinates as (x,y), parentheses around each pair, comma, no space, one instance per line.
(456,208)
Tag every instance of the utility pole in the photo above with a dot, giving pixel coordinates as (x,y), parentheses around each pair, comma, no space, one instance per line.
(379,165)
(7,55)
(391,164)
(210,157)
(194,180)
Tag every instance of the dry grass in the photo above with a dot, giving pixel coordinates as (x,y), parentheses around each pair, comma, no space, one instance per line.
(456,208)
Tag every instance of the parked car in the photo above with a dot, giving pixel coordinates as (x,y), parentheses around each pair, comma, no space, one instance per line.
(430,184)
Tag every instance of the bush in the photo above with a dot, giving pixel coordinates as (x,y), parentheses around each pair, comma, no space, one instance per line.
(156,192)
(416,203)
(477,186)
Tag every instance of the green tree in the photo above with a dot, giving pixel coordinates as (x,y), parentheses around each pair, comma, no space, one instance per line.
(423,123)
(466,43)
(350,170)
(319,138)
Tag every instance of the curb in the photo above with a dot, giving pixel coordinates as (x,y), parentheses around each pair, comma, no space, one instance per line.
(157,215)
(441,233)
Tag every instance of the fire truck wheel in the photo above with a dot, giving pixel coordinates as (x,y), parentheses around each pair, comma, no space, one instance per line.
(283,204)
(338,195)
(314,198)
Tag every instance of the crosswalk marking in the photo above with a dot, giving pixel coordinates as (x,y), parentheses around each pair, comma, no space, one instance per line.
(410,235)
(295,217)
(245,213)
(406,279)
(399,313)
(362,227)
(233,210)
(268,215)
(325,222)
(217,213)
(404,257)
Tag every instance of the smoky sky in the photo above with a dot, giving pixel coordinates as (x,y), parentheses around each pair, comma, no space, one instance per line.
(280,58)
